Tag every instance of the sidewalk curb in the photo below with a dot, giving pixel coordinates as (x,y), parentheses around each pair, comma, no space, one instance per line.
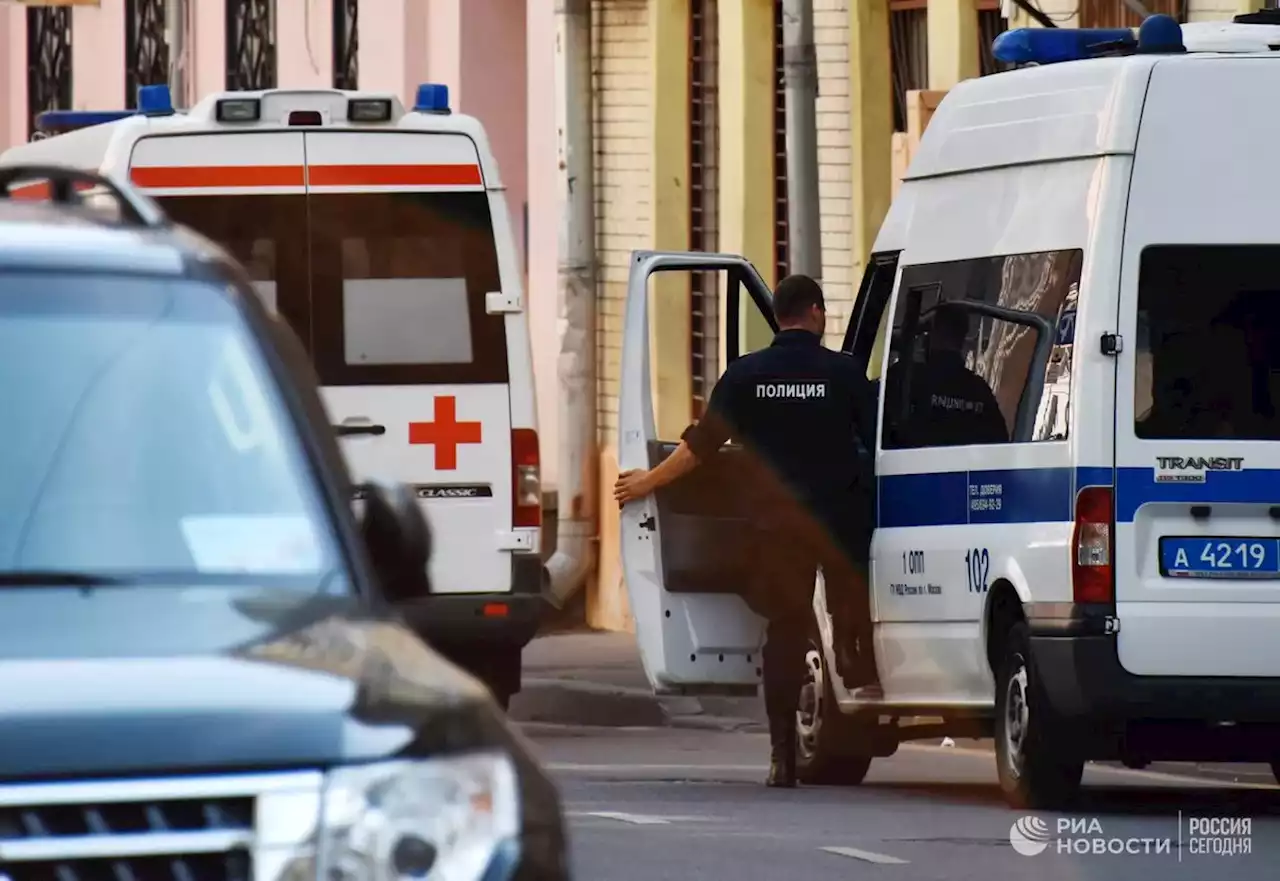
(578,703)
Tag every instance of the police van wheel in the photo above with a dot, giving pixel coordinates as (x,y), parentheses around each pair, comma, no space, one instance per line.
(824,737)
(1033,771)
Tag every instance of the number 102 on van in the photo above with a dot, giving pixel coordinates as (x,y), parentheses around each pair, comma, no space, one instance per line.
(1220,557)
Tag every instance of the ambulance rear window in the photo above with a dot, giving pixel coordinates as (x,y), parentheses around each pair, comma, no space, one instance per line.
(1208,347)
(383,288)
(398,289)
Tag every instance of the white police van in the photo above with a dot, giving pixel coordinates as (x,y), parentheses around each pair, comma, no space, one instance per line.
(1106,584)
(382,234)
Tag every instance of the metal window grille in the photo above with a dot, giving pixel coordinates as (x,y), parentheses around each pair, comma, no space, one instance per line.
(251,45)
(990,25)
(48,60)
(146,49)
(781,229)
(909,47)
(704,293)
(346,61)
(1117,14)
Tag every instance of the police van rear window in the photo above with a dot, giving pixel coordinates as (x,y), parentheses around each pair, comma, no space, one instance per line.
(1208,347)
(383,288)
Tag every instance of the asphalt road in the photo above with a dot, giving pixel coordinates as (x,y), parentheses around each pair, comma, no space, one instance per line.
(657,804)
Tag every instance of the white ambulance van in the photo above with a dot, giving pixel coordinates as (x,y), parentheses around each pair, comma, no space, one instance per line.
(382,235)
(1104,585)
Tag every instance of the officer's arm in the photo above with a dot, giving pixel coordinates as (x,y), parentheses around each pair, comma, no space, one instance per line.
(701,440)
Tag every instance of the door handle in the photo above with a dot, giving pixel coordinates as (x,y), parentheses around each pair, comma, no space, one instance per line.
(347,430)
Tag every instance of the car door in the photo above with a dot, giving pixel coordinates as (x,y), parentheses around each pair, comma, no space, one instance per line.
(683,549)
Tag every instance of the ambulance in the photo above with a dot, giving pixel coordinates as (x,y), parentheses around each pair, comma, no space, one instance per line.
(1103,582)
(382,236)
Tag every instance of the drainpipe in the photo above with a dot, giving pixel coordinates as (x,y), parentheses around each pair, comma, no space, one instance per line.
(800,80)
(574,558)
(175,25)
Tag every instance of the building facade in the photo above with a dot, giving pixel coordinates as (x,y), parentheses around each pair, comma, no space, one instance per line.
(690,146)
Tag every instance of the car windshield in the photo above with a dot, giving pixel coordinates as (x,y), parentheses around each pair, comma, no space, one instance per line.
(146,439)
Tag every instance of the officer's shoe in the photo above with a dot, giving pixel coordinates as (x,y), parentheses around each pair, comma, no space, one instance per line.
(782,761)
(782,771)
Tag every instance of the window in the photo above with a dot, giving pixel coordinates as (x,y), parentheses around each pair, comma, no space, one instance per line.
(268,235)
(980,351)
(991,24)
(1117,14)
(704,148)
(153,444)
(909,48)
(1208,347)
(387,289)
(398,288)
(781,203)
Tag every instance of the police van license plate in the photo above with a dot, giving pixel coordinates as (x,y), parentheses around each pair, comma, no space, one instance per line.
(1220,557)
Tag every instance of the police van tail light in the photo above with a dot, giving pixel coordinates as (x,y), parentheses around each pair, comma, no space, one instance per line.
(526,484)
(1092,572)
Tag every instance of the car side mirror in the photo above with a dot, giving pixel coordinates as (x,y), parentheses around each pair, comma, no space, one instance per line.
(398,538)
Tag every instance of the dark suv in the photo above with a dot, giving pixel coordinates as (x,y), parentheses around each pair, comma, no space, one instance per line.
(202,673)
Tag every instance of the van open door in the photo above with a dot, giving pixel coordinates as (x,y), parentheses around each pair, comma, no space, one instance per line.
(683,549)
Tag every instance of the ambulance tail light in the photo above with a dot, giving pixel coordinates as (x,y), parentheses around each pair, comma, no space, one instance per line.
(1092,569)
(526,485)
(368,110)
(305,117)
(239,110)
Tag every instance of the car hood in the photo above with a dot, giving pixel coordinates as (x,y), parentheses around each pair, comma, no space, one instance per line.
(314,684)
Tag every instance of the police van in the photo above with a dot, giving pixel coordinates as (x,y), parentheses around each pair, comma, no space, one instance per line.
(1099,579)
(383,236)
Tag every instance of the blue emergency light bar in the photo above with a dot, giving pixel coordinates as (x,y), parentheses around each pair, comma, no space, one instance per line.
(1158,34)
(152,101)
(432,98)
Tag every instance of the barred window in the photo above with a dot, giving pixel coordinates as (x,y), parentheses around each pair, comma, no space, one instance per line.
(704,126)
(909,47)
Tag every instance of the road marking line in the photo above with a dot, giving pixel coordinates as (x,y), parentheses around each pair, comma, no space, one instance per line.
(865,855)
(1206,782)
(571,766)
(635,819)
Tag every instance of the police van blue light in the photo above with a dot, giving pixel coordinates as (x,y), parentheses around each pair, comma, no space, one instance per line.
(1158,33)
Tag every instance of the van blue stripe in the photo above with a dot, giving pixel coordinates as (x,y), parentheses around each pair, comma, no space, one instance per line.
(1046,495)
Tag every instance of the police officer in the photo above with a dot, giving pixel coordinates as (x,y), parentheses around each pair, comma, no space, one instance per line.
(800,412)
(949,404)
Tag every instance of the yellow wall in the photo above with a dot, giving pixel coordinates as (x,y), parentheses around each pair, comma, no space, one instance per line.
(624,222)
(746,74)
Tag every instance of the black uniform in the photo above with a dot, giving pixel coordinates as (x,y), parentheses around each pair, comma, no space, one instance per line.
(950,405)
(801,412)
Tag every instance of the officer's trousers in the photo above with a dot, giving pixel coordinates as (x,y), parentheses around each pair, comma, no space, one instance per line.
(785,561)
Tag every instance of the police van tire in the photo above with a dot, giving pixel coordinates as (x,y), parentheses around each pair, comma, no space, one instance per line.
(1033,770)
(824,734)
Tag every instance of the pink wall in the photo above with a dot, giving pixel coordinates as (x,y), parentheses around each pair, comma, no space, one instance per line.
(13,80)
(304,43)
(544,223)
(97,56)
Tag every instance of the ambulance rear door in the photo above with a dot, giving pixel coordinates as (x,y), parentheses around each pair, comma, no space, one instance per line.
(685,550)
(247,192)
(414,368)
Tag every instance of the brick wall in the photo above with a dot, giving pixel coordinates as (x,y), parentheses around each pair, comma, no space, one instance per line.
(623,123)
(835,162)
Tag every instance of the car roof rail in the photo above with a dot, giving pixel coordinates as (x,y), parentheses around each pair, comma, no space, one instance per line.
(66,184)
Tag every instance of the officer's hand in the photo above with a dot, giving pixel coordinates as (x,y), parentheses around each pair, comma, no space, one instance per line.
(631,485)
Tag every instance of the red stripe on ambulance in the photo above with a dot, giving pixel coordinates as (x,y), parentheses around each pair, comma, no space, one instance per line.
(394,175)
(203,177)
